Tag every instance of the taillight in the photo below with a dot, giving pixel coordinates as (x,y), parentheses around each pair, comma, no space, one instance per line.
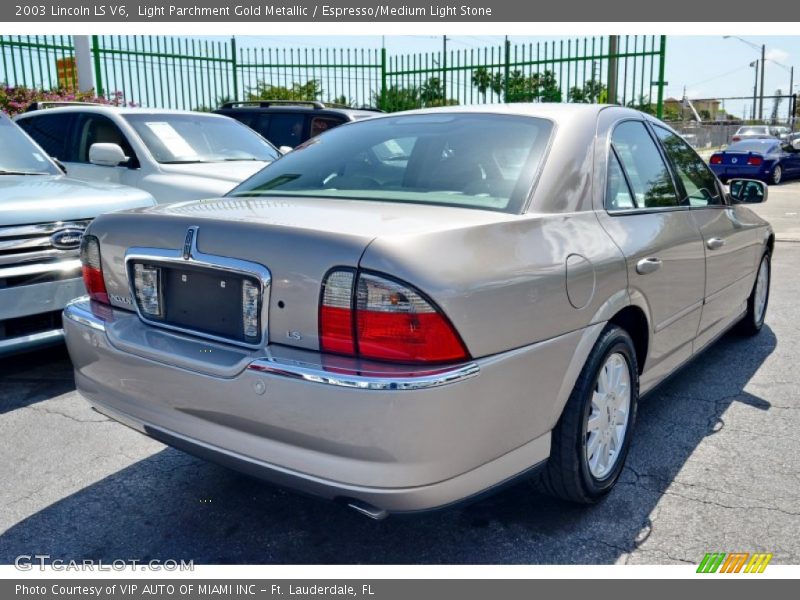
(716,159)
(736,138)
(384,320)
(754,161)
(336,315)
(92,269)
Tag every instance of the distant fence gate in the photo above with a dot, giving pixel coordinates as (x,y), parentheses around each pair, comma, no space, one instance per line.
(200,73)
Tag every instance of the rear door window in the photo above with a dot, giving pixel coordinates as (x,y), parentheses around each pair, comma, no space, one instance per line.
(285,129)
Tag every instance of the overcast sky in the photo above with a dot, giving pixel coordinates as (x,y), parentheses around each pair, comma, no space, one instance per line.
(708,66)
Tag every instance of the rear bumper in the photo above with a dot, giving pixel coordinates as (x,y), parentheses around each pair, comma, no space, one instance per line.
(397,441)
(729,171)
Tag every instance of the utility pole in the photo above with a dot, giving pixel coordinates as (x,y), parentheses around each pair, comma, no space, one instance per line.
(763,68)
(791,98)
(83,63)
(755,88)
(613,42)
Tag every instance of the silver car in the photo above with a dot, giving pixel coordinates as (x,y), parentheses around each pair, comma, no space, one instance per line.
(410,310)
(42,217)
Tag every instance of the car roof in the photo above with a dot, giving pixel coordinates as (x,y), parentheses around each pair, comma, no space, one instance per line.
(297,108)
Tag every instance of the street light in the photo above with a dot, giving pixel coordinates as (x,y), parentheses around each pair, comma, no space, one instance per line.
(791,88)
(763,49)
(755,88)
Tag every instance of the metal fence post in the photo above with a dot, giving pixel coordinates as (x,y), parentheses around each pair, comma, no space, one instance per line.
(234,68)
(383,73)
(506,68)
(98,77)
(662,59)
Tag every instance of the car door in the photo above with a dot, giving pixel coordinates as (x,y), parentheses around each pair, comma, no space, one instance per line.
(94,128)
(730,237)
(791,160)
(661,244)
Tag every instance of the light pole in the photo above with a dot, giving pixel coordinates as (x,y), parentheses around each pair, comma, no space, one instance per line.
(763,49)
(791,85)
(755,88)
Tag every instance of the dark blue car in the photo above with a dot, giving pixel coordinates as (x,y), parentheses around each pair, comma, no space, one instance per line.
(768,160)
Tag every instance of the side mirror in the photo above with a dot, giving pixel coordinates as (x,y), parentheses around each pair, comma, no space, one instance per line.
(748,191)
(106,155)
(285,149)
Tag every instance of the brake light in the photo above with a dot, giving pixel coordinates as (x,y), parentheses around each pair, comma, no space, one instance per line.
(92,269)
(384,320)
(716,159)
(736,138)
(754,161)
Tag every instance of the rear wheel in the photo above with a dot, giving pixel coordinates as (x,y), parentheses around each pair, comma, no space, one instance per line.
(776,176)
(592,437)
(757,303)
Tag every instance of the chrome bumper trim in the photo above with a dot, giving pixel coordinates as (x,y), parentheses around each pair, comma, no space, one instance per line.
(80,311)
(39,268)
(353,379)
(25,342)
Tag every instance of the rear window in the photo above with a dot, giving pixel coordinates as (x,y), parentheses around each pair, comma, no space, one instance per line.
(753,146)
(756,130)
(469,160)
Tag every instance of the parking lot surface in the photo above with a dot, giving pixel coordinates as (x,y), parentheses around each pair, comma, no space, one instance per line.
(713,467)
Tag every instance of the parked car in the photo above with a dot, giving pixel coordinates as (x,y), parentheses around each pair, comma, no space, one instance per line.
(753,132)
(289,123)
(42,216)
(173,155)
(780,132)
(768,160)
(415,308)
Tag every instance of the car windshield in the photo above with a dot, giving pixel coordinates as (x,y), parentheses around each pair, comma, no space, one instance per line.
(754,146)
(19,155)
(472,160)
(199,138)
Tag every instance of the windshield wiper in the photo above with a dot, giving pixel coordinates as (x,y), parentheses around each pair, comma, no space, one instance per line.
(14,172)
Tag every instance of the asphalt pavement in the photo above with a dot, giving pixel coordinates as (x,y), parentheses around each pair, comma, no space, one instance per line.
(714,467)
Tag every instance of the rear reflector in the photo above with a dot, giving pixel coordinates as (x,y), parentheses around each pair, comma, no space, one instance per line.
(392,321)
(336,315)
(92,269)
(716,159)
(754,161)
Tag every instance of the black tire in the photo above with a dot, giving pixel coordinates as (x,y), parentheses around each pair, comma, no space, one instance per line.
(751,323)
(776,176)
(566,474)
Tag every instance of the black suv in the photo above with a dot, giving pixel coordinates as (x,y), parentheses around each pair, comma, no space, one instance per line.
(291,122)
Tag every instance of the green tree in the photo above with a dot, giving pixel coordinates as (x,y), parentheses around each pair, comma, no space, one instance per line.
(538,87)
(310,90)
(592,92)
(396,98)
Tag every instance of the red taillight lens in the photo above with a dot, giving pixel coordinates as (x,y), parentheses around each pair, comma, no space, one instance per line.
(393,322)
(716,159)
(754,161)
(92,269)
(336,315)
(736,138)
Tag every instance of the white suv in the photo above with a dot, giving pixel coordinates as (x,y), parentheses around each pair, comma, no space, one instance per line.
(173,155)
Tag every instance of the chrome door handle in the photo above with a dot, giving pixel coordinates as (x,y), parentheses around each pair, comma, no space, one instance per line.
(715,243)
(648,265)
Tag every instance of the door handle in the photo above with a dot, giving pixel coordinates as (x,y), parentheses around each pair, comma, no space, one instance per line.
(715,243)
(648,265)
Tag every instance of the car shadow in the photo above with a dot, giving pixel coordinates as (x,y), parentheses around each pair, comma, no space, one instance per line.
(173,506)
(32,377)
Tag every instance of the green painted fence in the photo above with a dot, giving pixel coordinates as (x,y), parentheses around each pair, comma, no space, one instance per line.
(194,73)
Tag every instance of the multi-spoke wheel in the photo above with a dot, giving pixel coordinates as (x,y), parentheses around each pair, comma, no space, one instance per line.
(753,320)
(592,436)
(777,175)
